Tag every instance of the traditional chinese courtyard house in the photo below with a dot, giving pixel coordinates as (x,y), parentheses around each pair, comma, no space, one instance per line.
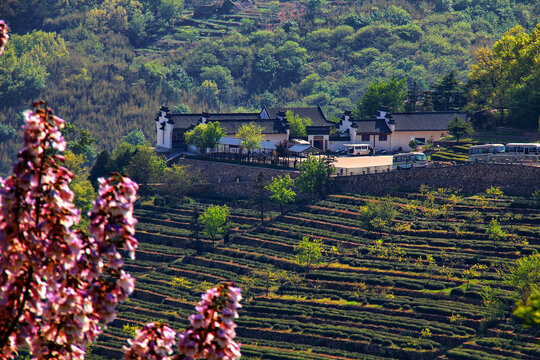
(388,131)
(392,131)
(171,127)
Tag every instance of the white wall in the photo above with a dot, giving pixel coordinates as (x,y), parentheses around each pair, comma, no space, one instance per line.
(336,145)
(402,138)
(164,140)
(275,137)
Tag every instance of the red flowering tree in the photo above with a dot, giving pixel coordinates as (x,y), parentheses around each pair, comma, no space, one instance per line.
(59,287)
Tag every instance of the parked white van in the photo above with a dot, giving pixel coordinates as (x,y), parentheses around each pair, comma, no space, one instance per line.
(359,149)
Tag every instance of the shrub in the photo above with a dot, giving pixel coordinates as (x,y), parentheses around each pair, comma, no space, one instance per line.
(387,343)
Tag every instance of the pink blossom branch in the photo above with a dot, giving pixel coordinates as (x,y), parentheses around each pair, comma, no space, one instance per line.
(3,36)
(58,286)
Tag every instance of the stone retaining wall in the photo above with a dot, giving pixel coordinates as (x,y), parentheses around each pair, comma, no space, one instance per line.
(518,180)
(515,180)
(226,173)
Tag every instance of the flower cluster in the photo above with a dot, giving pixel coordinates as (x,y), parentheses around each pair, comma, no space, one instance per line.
(3,36)
(58,285)
(153,342)
(211,333)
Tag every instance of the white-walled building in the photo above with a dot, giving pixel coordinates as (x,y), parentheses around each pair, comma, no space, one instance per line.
(388,131)
(171,127)
(393,131)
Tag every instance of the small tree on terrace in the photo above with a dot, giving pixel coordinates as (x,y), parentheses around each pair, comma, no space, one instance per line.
(494,231)
(271,276)
(459,128)
(308,252)
(315,176)
(205,136)
(524,276)
(378,215)
(281,190)
(260,195)
(214,221)
(251,135)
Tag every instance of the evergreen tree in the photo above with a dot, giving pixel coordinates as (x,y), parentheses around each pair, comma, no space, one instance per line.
(459,128)
(448,93)
(413,97)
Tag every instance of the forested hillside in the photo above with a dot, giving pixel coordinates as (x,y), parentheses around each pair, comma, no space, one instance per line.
(108,65)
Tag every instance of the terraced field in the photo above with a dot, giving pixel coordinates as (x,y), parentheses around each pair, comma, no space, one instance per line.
(405,298)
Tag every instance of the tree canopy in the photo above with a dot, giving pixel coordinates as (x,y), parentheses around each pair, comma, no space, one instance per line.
(281,190)
(214,220)
(459,128)
(506,77)
(391,93)
(251,135)
(205,136)
(315,175)
(297,124)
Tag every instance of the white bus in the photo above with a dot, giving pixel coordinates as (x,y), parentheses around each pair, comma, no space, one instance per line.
(359,149)
(409,160)
(521,152)
(484,152)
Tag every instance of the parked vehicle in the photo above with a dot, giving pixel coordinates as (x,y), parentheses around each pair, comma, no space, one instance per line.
(359,149)
(409,160)
(512,152)
(521,152)
(485,152)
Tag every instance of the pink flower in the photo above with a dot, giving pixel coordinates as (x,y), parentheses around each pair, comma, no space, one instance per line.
(54,295)
(3,36)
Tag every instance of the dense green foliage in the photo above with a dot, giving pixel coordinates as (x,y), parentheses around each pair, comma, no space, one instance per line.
(297,124)
(251,136)
(108,65)
(214,220)
(459,128)
(205,136)
(281,190)
(315,175)
(391,93)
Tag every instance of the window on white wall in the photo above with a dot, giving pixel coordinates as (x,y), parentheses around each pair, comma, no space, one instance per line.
(383,137)
(365,137)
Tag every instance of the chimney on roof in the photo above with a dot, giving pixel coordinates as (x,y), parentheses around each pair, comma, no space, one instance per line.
(383,110)
(346,121)
(390,122)
(204,117)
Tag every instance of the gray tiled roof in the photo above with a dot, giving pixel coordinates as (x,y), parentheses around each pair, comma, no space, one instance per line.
(427,121)
(185,121)
(371,126)
(318,130)
(314,113)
